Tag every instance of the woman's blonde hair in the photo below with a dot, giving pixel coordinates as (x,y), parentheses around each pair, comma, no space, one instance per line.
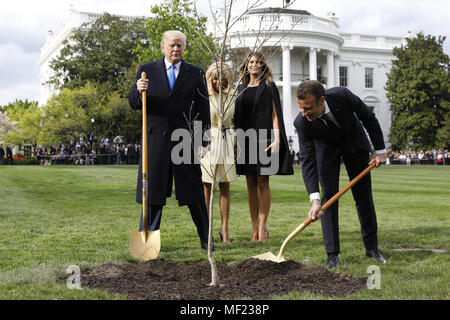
(213,72)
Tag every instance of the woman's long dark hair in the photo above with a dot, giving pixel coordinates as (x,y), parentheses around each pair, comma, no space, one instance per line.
(266,72)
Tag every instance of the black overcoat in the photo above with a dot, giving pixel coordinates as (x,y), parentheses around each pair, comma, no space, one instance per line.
(167,111)
(353,115)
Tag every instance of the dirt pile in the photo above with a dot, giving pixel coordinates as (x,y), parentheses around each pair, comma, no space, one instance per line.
(251,278)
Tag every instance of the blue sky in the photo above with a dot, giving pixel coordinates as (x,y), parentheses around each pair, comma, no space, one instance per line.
(24,25)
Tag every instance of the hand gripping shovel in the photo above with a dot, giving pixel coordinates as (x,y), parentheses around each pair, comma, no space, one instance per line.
(280,258)
(144,245)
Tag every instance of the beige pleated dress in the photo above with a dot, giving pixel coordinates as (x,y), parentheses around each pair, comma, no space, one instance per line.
(221,148)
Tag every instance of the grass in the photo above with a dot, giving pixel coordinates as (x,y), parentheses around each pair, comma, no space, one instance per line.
(55,216)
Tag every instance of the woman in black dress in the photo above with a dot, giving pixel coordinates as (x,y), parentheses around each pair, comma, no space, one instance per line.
(258,113)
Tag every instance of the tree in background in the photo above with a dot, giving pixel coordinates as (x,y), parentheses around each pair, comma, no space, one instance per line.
(65,117)
(177,15)
(6,126)
(418,90)
(16,105)
(24,123)
(80,111)
(100,52)
(97,68)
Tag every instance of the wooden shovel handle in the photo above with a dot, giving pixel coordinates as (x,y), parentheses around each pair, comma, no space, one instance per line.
(144,160)
(329,203)
(333,199)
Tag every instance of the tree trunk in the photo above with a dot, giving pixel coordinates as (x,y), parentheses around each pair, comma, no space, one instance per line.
(212,262)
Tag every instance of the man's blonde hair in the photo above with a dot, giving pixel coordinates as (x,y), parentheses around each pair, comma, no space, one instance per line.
(173,34)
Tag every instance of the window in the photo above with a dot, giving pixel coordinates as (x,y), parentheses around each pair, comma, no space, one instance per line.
(343,76)
(369,78)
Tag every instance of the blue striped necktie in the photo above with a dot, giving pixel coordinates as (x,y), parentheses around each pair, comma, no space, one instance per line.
(172,76)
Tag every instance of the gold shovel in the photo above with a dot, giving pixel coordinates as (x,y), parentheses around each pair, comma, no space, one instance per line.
(280,257)
(144,245)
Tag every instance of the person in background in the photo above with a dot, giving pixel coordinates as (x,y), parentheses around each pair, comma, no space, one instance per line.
(2,154)
(9,155)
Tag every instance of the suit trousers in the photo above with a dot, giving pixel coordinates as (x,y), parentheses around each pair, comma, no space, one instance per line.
(198,212)
(329,158)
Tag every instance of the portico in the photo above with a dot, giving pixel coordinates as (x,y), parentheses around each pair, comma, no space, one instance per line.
(300,46)
(299,64)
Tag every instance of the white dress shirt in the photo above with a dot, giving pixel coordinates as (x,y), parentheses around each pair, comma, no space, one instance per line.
(168,65)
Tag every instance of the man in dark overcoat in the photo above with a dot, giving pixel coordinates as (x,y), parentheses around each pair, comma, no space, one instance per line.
(176,97)
(2,154)
(9,155)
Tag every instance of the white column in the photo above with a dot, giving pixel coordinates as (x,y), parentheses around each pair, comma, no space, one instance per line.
(312,64)
(336,69)
(330,69)
(287,105)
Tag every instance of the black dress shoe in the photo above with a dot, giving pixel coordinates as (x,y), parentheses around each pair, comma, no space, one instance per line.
(376,254)
(204,246)
(333,260)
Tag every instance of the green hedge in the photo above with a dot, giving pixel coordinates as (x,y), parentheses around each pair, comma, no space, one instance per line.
(28,161)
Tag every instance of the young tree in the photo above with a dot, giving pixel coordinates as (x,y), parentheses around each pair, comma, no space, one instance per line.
(418,90)
(224,21)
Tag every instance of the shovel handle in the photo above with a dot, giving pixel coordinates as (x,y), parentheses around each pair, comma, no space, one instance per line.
(333,199)
(144,161)
(328,204)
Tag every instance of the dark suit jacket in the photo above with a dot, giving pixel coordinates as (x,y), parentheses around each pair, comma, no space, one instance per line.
(167,111)
(352,114)
(9,152)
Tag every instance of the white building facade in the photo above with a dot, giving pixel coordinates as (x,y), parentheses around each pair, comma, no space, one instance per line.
(302,46)
(54,44)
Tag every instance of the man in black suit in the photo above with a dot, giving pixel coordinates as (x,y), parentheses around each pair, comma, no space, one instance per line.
(2,154)
(330,128)
(176,95)
(9,155)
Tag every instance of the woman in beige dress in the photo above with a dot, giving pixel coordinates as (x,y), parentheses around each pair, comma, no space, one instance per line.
(219,159)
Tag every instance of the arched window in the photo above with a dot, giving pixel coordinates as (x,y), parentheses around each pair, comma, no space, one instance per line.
(373,103)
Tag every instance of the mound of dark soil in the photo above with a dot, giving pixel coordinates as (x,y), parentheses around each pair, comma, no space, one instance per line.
(252,278)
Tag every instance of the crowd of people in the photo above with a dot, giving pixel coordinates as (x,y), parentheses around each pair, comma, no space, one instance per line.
(89,152)
(432,157)
(6,156)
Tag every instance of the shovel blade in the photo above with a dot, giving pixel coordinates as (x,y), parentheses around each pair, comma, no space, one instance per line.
(270,257)
(145,248)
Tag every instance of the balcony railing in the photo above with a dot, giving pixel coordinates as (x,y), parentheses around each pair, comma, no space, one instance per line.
(298,77)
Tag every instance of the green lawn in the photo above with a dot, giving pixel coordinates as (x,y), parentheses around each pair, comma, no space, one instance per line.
(56,216)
